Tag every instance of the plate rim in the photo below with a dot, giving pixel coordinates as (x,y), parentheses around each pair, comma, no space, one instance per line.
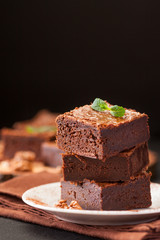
(143,211)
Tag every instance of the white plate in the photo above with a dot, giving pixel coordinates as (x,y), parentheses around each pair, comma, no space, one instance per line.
(49,194)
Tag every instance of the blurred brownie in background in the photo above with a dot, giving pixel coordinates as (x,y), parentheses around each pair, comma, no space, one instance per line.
(22,140)
(51,155)
(30,134)
(1,149)
(42,118)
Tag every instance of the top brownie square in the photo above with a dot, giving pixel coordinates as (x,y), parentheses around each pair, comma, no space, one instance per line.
(95,134)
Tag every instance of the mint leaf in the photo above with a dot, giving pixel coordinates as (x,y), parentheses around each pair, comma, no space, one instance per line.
(41,129)
(99,105)
(117,111)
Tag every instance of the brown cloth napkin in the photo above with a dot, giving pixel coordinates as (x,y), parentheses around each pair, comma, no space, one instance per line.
(12,206)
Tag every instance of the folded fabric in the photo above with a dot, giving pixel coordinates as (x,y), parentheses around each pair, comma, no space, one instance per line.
(12,206)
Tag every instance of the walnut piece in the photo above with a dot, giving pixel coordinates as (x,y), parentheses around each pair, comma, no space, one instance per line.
(62,204)
(75,205)
(25,155)
(22,161)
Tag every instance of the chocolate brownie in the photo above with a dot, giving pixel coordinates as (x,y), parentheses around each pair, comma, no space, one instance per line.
(21,140)
(86,132)
(121,167)
(42,118)
(93,195)
(50,154)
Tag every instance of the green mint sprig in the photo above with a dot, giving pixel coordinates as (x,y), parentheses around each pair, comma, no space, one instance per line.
(100,105)
(41,129)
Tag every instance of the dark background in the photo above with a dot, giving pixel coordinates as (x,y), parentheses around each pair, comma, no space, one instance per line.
(61,54)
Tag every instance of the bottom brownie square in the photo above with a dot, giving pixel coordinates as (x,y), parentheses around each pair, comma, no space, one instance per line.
(92,195)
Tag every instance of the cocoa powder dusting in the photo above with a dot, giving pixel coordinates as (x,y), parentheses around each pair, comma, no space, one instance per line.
(37,202)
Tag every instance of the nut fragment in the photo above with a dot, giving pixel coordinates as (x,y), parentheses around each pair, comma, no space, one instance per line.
(22,161)
(25,155)
(62,204)
(75,205)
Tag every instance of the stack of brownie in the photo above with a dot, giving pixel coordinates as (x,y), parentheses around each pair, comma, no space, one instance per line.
(105,159)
